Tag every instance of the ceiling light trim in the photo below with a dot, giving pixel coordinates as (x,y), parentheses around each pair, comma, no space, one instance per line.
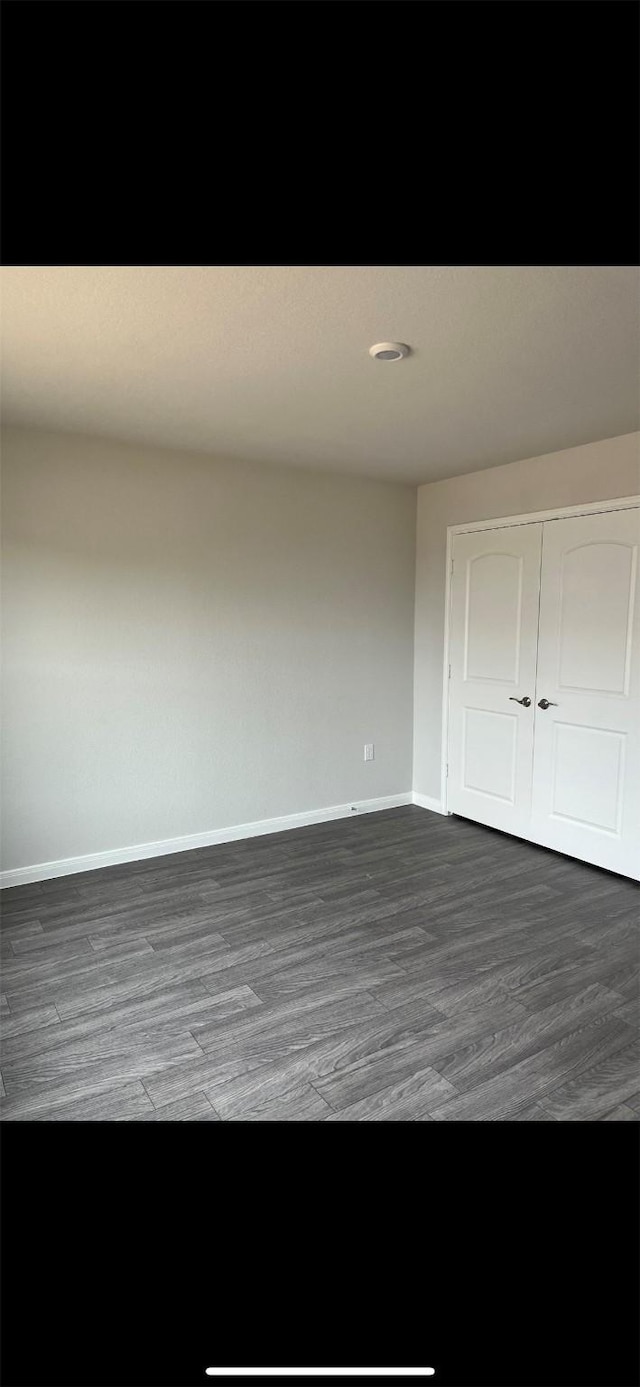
(389,351)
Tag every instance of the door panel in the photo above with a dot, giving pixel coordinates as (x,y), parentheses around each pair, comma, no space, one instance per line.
(588,766)
(586,777)
(489,753)
(493,637)
(596,602)
(493,614)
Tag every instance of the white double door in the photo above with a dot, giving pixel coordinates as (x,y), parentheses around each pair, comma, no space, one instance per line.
(544,684)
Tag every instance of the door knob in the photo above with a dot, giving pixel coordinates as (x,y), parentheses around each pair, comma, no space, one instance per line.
(526,702)
(547,703)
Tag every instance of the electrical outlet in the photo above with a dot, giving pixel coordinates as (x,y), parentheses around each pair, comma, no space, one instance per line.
(369,751)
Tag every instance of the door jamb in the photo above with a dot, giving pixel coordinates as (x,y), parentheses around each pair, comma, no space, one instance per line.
(500,523)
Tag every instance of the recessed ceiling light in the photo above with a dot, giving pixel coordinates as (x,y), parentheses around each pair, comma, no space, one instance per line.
(389,351)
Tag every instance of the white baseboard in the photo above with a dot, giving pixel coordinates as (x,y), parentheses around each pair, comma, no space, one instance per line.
(66,866)
(426,802)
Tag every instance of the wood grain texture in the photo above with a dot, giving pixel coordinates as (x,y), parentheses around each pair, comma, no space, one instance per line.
(407,1101)
(530,1079)
(533,1114)
(113,1053)
(30,1019)
(280,1097)
(591,1093)
(469,1064)
(401,966)
(195,1108)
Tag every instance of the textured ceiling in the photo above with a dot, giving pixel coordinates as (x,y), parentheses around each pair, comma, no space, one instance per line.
(272,364)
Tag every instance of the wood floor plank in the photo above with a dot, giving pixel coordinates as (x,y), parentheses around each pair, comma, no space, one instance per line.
(293,1057)
(277,1028)
(122,948)
(195,1108)
(274,956)
(98,985)
(164,1000)
(23,968)
(406,1101)
(48,1104)
(40,983)
(360,976)
(558,981)
(117,1055)
(19,899)
(494,1051)
(623,977)
(197,933)
(394,944)
(623,1113)
(630,1012)
(14,931)
(201,1074)
(520,959)
(529,1080)
(344,963)
(532,1114)
(32,1019)
(596,1090)
(169,1012)
(280,1098)
(124,1103)
(418,1043)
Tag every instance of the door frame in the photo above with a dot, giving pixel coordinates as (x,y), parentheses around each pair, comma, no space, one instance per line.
(499,523)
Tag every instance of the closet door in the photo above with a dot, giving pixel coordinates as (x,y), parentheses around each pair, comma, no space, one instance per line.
(493,639)
(586,771)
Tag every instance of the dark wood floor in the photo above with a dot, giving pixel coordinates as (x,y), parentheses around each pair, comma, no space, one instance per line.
(397,966)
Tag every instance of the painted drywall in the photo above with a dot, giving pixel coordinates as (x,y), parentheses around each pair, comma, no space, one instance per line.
(192,643)
(593,472)
(270,363)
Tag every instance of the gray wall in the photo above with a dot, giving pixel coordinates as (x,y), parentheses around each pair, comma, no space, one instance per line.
(594,472)
(191,644)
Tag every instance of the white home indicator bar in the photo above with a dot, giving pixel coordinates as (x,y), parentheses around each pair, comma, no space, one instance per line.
(320,1372)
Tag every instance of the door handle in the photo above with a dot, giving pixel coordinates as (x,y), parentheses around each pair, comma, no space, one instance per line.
(547,703)
(526,702)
